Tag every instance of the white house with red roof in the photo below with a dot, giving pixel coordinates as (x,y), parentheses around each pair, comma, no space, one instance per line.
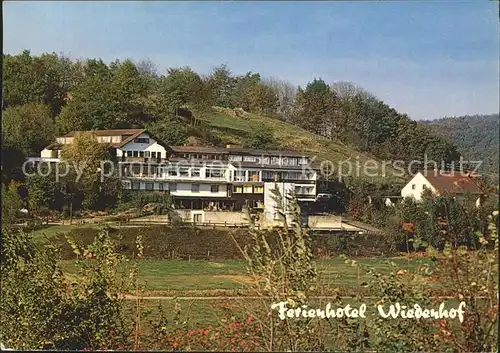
(457,184)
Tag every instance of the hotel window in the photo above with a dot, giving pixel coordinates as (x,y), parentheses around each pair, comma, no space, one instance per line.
(149,186)
(253,175)
(413,186)
(137,169)
(275,160)
(141,154)
(249,159)
(153,154)
(141,140)
(291,161)
(247,189)
(214,188)
(129,153)
(160,186)
(235,158)
(294,175)
(173,187)
(158,154)
(172,172)
(239,175)
(424,187)
(257,189)
(184,171)
(195,172)
(214,173)
(136,153)
(266,174)
(237,189)
(195,187)
(136,185)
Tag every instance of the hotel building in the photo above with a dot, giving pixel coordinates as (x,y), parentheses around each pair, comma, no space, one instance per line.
(214,178)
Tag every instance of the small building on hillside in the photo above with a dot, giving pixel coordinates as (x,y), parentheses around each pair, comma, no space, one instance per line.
(439,182)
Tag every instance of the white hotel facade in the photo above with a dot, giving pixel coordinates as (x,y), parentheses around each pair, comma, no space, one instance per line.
(202,177)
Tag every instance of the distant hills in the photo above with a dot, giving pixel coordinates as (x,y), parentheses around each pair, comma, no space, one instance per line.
(475,136)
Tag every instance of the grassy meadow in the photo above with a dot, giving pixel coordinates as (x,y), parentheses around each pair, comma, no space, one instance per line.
(230,278)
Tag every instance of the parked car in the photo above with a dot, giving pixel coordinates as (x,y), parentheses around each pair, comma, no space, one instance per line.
(324,197)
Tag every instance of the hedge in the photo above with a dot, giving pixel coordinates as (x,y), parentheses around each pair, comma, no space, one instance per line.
(164,242)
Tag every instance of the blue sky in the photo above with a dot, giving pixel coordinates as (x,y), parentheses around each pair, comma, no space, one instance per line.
(427,59)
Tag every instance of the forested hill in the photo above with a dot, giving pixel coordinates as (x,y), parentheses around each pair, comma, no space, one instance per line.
(49,94)
(476,137)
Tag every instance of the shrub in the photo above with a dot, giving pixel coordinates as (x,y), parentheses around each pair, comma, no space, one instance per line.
(41,308)
(159,202)
(33,224)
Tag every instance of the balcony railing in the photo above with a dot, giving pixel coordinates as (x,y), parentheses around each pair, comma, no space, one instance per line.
(167,177)
(142,159)
(306,197)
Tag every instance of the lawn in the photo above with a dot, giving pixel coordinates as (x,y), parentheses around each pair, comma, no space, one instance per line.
(51,230)
(206,278)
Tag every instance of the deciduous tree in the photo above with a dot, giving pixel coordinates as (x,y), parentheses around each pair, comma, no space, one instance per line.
(11,203)
(28,127)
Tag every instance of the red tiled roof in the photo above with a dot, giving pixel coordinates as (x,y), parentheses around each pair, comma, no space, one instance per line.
(131,137)
(283,153)
(452,183)
(117,132)
(200,149)
(129,134)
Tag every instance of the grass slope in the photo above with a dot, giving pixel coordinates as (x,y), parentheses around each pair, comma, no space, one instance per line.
(232,128)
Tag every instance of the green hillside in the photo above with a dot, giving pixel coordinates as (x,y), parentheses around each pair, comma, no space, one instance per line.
(476,137)
(233,126)
(341,123)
